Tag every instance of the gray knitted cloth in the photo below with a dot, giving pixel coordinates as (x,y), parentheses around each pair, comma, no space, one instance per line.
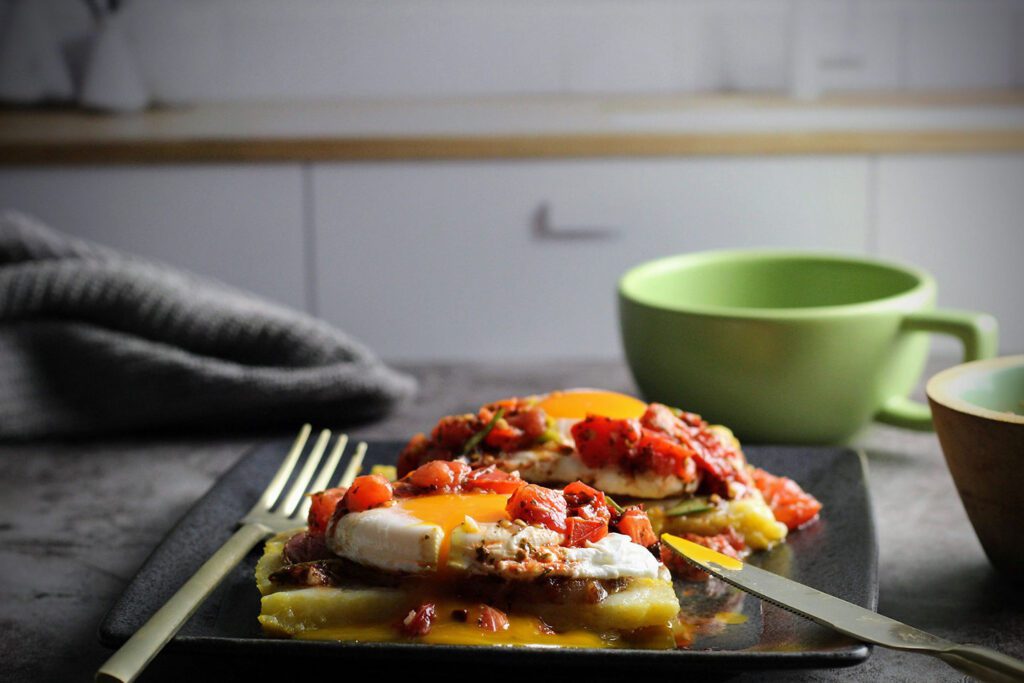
(93,341)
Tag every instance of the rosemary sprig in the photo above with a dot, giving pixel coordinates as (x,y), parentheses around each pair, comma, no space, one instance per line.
(689,507)
(475,440)
(618,508)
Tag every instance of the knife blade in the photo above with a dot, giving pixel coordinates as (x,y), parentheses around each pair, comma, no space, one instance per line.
(845,617)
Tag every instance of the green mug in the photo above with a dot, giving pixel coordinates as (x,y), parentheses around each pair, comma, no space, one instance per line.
(787,346)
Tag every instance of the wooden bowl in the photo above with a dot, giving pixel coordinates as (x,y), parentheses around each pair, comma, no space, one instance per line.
(978,412)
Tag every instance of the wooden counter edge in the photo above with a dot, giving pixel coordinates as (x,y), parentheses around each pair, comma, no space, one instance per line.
(533,146)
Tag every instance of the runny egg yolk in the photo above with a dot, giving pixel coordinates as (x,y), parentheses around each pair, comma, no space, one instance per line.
(449,510)
(579,403)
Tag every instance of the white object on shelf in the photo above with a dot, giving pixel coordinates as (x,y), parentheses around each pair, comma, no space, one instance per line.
(32,68)
(180,48)
(113,81)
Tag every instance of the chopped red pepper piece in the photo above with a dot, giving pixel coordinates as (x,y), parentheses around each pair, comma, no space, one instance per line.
(366,492)
(581,531)
(419,621)
(538,505)
(321,508)
(635,524)
(790,504)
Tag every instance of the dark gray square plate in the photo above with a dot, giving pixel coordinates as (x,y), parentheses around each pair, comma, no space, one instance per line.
(837,555)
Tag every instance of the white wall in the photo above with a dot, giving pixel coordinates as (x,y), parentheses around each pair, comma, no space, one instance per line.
(196,50)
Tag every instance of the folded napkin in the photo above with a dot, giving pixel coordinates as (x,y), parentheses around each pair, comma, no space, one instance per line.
(93,341)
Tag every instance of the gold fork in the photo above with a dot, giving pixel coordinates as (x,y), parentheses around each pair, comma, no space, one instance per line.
(271,514)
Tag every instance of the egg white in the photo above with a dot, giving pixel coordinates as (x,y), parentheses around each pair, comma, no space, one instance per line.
(387,538)
(392,539)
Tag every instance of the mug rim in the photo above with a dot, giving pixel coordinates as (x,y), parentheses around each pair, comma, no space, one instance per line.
(937,388)
(925,283)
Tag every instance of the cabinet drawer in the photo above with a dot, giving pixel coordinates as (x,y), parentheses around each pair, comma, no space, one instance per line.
(520,260)
(240,224)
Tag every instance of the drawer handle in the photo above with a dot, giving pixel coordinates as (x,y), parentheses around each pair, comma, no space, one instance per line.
(544,230)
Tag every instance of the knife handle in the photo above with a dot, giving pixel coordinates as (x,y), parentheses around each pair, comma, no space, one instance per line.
(983,663)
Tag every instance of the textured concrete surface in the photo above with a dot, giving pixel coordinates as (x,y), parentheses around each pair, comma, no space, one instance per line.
(77,519)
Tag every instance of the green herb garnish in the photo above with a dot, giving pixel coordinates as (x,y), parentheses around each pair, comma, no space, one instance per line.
(551,433)
(618,508)
(690,506)
(475,440)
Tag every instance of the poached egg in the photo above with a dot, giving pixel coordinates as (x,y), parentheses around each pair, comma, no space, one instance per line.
(471,533)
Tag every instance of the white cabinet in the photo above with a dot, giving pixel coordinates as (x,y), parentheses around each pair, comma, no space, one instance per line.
(241,224)
(519,259)
(445,260)
(962,218)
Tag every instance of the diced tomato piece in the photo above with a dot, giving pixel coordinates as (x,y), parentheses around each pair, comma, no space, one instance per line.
(366,492)
(492,479)
(321,508)
(728,543)
(504,437)
(533,423)
(586,502)
(538,505)
(512,406)
(580,531)
(411,456)
(635,524)
(490,619)
(687,469)
(602,440)
(657,452)
(720,462)
(516,432)
(660,417)
(439,475)
(452,432)
(790,504)
(420,620)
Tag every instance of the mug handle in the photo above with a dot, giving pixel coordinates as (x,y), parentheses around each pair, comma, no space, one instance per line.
(979,334)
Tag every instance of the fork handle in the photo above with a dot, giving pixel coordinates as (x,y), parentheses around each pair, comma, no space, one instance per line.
(132,657)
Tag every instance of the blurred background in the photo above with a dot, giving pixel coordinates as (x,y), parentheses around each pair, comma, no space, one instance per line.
(467,179)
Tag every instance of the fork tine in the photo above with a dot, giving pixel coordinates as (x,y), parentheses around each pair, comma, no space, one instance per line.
(298,488)
(354,465)
(323,480)
(276,484)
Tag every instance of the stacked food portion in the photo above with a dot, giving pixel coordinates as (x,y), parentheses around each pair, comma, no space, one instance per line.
(692,477)
(454,554)
(470,545)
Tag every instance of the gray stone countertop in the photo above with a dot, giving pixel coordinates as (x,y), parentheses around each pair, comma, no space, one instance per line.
(78,518)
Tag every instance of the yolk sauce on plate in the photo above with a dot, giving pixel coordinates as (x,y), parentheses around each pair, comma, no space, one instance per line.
(447,630)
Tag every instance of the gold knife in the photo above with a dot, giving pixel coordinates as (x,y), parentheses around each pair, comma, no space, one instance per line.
(861,624)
